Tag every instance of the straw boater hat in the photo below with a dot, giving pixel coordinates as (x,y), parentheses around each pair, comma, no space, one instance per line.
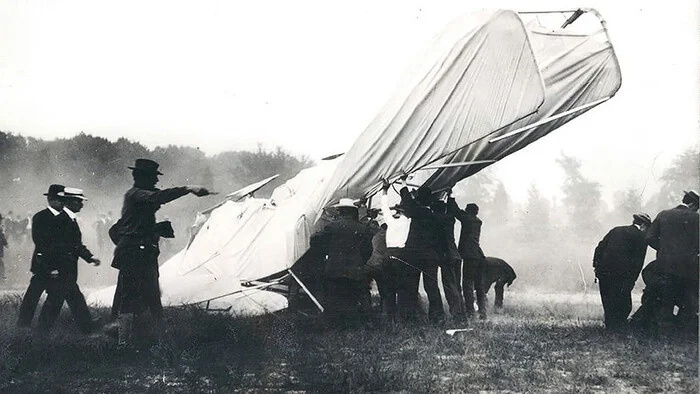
(345,203)
(54,190)
(146,165)
(72,192)
(642,217)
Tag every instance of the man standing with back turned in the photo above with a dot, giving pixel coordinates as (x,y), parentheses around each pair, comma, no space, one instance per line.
(618,260)
(674,235)
(136,253)
(474,266)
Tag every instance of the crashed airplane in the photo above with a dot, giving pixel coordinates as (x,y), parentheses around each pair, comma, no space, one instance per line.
(490,84)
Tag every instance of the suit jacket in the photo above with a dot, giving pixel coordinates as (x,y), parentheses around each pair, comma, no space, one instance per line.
(675,236)
(497,269)
(347,243)
(45,229)
(470,233)
(621,252)
(426,236)
(69,246)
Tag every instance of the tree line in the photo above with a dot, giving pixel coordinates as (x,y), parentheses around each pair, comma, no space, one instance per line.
(555,239)
(99,166)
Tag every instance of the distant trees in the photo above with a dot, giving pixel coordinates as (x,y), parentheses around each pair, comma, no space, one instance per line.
(28,165)
(501,205)
(683,174)
(582,198)
(535,218)
(626,202)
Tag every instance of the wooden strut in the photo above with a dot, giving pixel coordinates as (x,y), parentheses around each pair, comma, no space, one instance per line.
(462,164)
(549,119)
(296,278)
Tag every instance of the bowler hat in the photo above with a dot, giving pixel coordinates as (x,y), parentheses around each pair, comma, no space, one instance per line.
(690,197)
(642,217)
(146,165)
(54,190)
(72,192)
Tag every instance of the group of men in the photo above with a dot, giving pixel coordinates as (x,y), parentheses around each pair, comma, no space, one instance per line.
(58,245)
(15,227)
(399,245)
(671,280)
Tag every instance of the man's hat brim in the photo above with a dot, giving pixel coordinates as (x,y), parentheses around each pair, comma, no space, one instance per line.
(145,170)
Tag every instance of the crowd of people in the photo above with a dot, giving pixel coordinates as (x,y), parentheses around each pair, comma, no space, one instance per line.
(396,246)
(670,298)
(16,232)
(58,245)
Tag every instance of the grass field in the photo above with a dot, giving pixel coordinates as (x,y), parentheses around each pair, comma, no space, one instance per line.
(539,343)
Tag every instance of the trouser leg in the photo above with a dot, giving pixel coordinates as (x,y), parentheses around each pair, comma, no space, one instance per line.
(52,307)
(626,300)
(468,277)
(450,283)
(436,310)
(37,285)
(116,301)
(408,291)
(480,287)
(81,313)
(499,294)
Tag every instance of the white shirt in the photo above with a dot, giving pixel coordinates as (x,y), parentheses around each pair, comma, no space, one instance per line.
(397,228)
(55,212)
(70,213)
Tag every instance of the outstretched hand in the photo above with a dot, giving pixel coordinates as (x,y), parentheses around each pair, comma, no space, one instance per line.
(200,191)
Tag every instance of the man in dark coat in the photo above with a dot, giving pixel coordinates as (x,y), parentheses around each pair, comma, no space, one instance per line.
(63,283)
(136,252)
(674,234)
(474,263)
(501,274)
(450,261)
(3,245)
(618,260)
(45,227)
(346,245)
(424,245)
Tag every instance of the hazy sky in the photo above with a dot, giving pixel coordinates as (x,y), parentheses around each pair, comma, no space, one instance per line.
(310,75)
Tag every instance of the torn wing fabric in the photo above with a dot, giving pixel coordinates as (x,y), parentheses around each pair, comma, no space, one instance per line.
(577,70)
(478,76)
(255,238)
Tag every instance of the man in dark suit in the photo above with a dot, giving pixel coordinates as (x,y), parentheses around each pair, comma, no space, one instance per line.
(3,245)
(136,253)
(45,227)
(675,236)
(501,274)
(424,246)
(346,243)
(450,261)
(617,261)
(474,263)
(68,247)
